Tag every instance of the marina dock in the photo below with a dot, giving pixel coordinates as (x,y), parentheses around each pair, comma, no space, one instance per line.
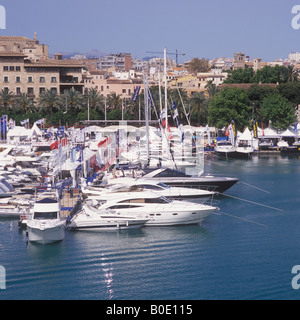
(68,203)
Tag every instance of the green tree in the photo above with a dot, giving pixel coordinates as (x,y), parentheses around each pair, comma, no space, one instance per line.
(95,100)
(48,102)
(230,104)
(290,91)
(241,76)
(199,65)
(24,104)
(279,110)
(256,94)
(199,108)
(71,101)
(114,101)
(6,99)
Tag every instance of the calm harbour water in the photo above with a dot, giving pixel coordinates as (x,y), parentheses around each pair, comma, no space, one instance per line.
(247,251)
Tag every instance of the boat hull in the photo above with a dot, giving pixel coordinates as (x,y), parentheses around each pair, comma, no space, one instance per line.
(46,235)
(206,183)
(96,225)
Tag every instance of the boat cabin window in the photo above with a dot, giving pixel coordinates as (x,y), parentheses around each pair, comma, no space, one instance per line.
(224,143)
(123,206)
(149,187)
(45,215)
(163,185)
(148,200)
(171,173)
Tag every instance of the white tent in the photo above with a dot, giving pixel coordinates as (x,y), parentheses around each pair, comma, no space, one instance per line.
(246,135)
(35,131)
(17,134)
(269,133)
(288,133)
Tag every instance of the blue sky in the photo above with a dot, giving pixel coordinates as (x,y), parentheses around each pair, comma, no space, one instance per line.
(198,28)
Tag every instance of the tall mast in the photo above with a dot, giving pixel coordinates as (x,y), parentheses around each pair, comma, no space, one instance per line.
(166,86)
(145,76)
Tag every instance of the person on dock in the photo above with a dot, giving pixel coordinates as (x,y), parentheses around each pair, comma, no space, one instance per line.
(71,191)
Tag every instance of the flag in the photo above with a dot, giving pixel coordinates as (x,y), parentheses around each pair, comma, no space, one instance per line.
(296,127)
(163,114)
(174,106)
(231,134)
(255,127)
(227,132)
(24,122)
(136,93)
(40,121)
(175,114)
(150,99)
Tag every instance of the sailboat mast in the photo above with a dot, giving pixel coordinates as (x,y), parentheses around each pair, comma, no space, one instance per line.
(166,86)
(145,76)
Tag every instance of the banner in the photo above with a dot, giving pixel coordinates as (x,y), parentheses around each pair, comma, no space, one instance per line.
(255,129)
(136,93)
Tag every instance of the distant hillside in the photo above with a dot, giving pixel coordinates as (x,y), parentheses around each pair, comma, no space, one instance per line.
(94,53)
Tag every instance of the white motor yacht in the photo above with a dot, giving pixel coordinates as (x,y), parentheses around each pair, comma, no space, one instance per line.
(131,185)
(224,149)
(161,211)
(91,219)
(46,226)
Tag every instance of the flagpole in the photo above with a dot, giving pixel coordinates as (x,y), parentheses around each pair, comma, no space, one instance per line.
(159,87)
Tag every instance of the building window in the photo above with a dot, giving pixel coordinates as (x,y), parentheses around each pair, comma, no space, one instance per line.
(18,79)
(18,68)
(42,79)
(102,88)
(30,79)
(54,90)
(53,80)
(30,91)
(123,90)
(5,79)
(42,90)
(18,91)
(5,68)
(11,68)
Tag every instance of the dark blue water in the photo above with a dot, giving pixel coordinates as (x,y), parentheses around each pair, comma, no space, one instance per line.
(245,252)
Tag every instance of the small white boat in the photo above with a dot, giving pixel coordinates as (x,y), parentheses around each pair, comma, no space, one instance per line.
(92,219)
(46,226)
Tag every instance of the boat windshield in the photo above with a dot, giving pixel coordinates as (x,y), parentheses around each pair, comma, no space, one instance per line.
(45,215)
(165,186)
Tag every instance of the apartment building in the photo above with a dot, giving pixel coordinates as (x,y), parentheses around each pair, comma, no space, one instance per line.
(120,61)
(18,74)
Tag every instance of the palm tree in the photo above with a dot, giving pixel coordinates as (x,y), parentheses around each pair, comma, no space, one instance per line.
(95,100)
(71,100)
(212,89)
(199,105)
(24,104)
(48,101)
(114,100)
(6,99)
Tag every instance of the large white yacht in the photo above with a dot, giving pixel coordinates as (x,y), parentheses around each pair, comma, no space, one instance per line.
(160,210)
(46,225)
(131,185)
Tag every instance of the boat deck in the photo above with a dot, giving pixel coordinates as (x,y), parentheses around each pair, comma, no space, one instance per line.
(68,203)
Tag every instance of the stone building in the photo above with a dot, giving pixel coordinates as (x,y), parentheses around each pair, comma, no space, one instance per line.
(18,74)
